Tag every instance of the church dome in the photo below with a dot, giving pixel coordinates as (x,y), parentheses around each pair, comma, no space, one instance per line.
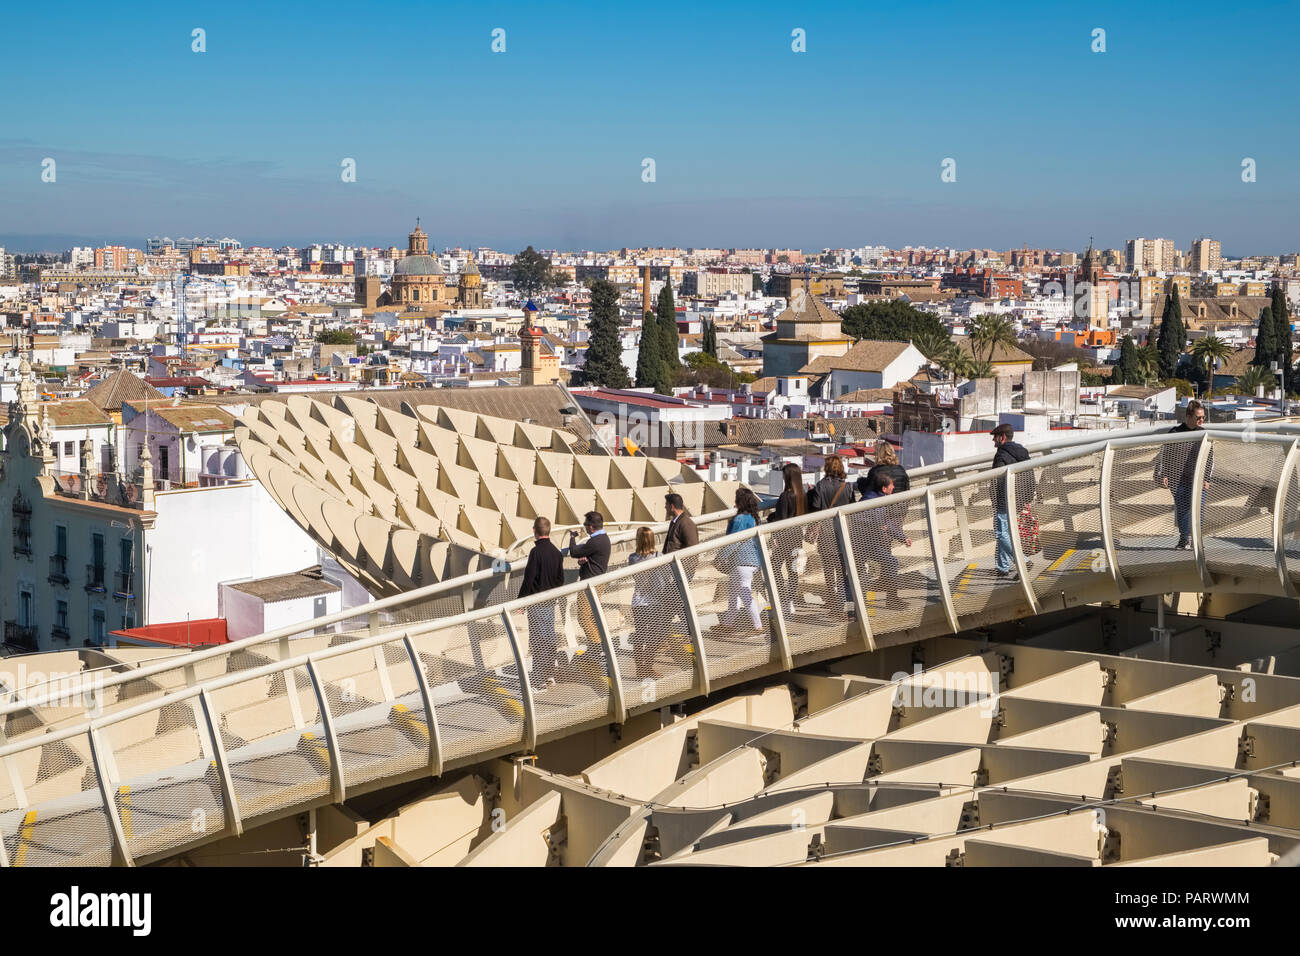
(417,266)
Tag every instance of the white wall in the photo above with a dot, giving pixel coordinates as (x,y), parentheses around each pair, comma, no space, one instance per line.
(247,615)
(243,613)
(204,536)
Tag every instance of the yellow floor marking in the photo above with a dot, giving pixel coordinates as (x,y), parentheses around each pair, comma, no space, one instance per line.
(965,578)
(1059,561)
(124,810)
(25,837)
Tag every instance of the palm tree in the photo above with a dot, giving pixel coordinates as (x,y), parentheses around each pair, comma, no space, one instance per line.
(978,368)
(1148,359)
(932,344)
(1207,351)
(1250,380)
(951,361)
(991,331)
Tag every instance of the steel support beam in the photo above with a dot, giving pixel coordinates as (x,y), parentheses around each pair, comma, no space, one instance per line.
(525,683)
(617,702)
(337,786)
(854,579)
(777,616)
(693,625)
(1198,510)
(121,852)
(940,568)
(234,819)
(1018,546)
(430,714)
(1279,520)
(1107,520)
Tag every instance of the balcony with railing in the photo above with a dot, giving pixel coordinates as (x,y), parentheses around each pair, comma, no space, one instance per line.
(95,577)
(60,632)
(20,635)
(124,584)
(59,569)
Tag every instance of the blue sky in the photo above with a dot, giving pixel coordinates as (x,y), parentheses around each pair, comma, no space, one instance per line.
(753,144)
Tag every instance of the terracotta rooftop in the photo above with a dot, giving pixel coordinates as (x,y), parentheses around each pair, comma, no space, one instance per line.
(121,386)
(74,411)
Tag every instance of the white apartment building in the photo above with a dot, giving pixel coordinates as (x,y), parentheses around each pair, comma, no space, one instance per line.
(83,558)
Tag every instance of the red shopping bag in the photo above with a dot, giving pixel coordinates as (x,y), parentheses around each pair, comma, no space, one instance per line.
(1029,531)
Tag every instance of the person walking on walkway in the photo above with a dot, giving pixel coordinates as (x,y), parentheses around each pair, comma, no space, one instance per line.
(1176,470)
(1008,453)
(681,533)
(647,589)
(792,503)
(593,559)
(883,529)
(543,572)
(741,561)
(887,464)
(833,491)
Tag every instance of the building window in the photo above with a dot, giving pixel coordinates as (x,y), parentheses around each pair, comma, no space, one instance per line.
(22,515)
(68,451)
(97,627)
(61,616)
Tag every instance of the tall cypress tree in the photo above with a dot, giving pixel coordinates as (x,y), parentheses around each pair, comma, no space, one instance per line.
(711,338)
(604,362)
(1127,371)
(1265,340)
(1172,335)
(648,357)
(1282,329)
(667,311)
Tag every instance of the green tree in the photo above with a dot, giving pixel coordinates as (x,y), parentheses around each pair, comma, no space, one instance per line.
(1181,386)
(699,368)
(758,283)
(650,366)
(932,345)
(892,321)
(990,331)
(1249,380)
(1265,340)
(710,343)
(1282,328)
(604,362)
(953,362)
(531,273)
(1148,361)
(669,340)
(336,337)
(1206,351)
(1128,370)
(1172,335)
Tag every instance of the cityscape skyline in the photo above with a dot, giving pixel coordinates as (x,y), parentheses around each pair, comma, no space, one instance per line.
(753,143)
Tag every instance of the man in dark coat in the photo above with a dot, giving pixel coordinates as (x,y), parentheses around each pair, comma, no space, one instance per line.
(681,533)
(593,559)
(544,571)
(1008,453)
(1176,470)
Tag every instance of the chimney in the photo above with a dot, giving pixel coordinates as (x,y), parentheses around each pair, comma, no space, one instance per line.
(645,290)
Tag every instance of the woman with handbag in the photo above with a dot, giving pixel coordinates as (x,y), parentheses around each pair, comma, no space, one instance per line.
(831,492)
(741,561)
(792,503)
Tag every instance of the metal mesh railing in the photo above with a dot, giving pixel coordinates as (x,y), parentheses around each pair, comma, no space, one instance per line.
(185,753)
